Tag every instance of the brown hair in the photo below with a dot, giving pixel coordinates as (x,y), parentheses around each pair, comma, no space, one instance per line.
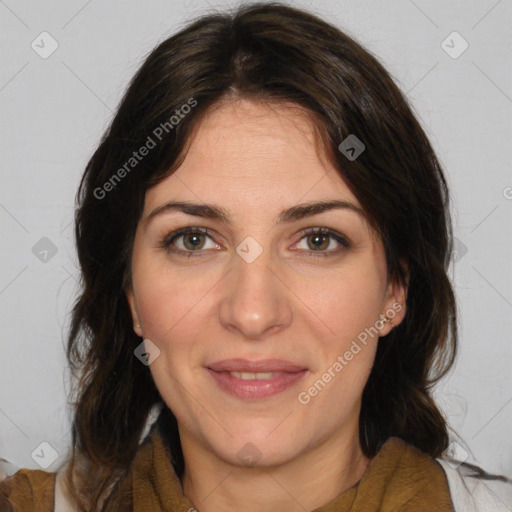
(267,52)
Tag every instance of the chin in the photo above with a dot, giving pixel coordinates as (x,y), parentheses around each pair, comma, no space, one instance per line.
(255,450)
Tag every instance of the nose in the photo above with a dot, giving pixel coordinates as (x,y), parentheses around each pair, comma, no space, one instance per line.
(256,301)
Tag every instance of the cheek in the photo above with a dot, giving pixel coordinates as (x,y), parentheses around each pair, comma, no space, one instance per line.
(167,298)
(175,308)
(172,315)
(346,301)
(346,343)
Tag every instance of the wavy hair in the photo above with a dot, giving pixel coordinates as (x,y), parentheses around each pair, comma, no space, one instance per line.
(266,52)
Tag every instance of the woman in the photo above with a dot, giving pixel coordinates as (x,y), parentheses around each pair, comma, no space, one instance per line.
(263,236)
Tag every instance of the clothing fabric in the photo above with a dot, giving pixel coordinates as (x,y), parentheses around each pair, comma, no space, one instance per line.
(400,478)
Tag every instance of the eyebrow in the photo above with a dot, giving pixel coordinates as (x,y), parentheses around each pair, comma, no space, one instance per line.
(288,215)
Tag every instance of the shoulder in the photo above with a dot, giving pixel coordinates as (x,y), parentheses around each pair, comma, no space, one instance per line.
(41,491)
(473,493)
(28,489)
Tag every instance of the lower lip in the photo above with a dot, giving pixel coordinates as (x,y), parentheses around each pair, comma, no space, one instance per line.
(254,388)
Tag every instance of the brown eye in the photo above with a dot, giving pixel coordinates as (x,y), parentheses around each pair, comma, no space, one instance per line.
(191,239)
(318,240)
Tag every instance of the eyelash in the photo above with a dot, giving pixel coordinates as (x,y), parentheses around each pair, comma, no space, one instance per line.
(167,240)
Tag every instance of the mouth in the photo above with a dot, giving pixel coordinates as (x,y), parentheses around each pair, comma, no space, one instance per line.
(255,376)
(262,366)
(255,380)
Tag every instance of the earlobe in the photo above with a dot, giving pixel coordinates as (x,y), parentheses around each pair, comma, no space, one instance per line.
(130,297)
(394,308)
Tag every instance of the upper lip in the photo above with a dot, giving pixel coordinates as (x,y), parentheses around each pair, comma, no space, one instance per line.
(263,365)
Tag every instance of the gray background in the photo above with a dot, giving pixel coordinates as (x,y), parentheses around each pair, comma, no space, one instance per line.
(55,109)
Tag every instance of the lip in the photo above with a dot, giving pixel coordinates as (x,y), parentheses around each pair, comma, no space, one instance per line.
(263,365)
(255,389)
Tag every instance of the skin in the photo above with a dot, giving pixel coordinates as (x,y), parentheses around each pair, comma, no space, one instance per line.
(255,160)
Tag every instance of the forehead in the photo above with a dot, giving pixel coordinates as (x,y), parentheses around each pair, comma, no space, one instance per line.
(243,134)
(253,156)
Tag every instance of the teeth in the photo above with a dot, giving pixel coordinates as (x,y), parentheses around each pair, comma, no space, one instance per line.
(252,376)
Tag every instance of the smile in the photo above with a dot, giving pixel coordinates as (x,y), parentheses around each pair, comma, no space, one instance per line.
(255,386)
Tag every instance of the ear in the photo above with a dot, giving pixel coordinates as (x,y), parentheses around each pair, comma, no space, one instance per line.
(130,296)
(394,307)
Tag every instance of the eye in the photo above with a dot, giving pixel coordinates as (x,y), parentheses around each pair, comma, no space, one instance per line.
(192,241)
(320,239)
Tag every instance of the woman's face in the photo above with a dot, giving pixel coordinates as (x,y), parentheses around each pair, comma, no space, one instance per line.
(260,287)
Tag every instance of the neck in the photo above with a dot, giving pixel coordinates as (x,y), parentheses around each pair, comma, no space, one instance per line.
(309,481)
